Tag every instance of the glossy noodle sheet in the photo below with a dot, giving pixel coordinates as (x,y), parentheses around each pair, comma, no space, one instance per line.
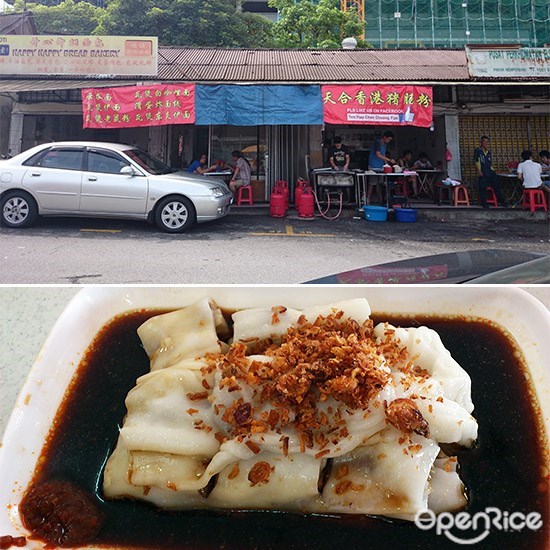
(313,410)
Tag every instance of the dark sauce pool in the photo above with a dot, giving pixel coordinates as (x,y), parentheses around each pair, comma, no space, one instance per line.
(504,470)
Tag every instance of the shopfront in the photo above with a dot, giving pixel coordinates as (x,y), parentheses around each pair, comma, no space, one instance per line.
(283,129)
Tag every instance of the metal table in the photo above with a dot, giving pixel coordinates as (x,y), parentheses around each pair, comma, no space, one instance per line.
(517,187)
(362,178)
(426,180)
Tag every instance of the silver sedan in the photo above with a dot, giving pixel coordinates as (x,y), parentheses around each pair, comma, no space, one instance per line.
(105,180)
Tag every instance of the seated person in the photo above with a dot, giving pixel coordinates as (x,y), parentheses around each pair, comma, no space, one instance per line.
(544,158)
(423,163)
(529,173)
(199,166)
(406,163)
(241,175)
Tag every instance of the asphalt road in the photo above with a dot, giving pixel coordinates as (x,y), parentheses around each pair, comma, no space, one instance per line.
(244,248)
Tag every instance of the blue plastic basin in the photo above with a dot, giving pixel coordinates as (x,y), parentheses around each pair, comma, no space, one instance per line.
(376,213)
(407,215)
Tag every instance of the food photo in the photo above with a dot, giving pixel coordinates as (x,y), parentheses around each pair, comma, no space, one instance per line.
(275,417)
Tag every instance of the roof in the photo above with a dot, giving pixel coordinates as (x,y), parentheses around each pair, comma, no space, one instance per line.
(17,23)
(211,65)
(278,66)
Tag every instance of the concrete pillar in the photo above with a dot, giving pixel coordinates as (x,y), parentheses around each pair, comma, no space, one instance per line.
(16,134)
(452,139)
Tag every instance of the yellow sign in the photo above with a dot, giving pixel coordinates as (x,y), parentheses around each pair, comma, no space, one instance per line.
(78,55)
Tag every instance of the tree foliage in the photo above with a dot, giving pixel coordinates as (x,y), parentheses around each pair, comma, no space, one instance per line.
(68,17)
(212,23)
(304,24)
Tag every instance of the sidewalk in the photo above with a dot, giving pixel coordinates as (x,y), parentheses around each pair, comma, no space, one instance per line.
(426,211)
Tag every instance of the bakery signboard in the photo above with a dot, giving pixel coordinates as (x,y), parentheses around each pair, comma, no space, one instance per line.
(78,55)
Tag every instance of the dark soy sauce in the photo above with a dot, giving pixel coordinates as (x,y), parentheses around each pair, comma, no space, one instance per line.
(504,470)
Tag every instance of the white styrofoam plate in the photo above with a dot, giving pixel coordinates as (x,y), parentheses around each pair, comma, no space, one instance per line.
(520,314)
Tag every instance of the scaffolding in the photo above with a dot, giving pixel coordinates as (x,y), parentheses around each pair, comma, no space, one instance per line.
(456,23)
(359,7)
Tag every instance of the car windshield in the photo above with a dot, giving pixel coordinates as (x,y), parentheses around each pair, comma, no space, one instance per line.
(474,266)
(147,162)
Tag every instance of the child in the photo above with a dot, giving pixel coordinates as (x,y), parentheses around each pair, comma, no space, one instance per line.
(405,162)
(423,163)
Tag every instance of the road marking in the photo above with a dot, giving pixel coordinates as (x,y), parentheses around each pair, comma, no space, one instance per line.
(289,232)
(101,230)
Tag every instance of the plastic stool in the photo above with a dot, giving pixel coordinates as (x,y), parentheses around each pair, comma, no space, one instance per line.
(534,198)
(460,196)
(244,195)
(491,197)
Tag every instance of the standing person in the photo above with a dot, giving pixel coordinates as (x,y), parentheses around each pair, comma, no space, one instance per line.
(338,155)
(241,175)
(529,173)
(487,177)
(377,158)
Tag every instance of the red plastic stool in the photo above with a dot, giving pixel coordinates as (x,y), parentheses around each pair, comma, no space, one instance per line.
(491,197)
(460,196)
(401,187)
(533,199)
(244,195)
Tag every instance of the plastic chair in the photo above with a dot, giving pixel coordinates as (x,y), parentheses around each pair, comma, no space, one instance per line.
(244,195)
(533,199)
(492,197)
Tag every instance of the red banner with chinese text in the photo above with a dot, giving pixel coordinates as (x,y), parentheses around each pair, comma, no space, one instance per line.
(132,106)
(387,105)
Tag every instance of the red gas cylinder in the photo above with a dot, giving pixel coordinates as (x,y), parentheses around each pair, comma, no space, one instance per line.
(306,205)
(281,186)
(277,205)
(300,184)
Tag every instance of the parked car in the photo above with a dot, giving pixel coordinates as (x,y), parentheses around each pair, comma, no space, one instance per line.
(107,180)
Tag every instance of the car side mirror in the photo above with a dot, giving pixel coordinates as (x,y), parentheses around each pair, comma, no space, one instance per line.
(128,170)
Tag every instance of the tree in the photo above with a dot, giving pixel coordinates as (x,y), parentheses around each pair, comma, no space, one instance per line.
(303,24)
(68,17)
(208,23)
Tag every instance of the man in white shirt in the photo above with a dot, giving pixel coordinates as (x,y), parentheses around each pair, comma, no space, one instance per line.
(529,172)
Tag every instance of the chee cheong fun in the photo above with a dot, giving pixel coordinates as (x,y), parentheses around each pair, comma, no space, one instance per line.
(313,410)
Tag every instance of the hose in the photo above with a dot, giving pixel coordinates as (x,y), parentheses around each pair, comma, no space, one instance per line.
(323,214)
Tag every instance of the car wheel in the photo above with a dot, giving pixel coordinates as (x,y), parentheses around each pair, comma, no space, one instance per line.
(19,209)
(175,214)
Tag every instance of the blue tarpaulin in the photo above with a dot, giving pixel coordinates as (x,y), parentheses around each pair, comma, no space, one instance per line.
(258,105)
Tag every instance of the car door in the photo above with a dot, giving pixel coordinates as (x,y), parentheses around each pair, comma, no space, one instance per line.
(55,179)
(106,191)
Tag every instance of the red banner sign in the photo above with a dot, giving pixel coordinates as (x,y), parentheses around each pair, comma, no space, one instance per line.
(382,105)
(132,106)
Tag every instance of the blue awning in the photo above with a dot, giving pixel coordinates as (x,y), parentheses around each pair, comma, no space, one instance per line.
(258,105)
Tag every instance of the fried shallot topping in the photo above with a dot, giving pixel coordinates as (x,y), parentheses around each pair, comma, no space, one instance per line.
(331,358)
(405,416)
(259,473)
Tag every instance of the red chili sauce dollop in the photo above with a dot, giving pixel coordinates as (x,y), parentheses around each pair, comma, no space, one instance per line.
(60,513)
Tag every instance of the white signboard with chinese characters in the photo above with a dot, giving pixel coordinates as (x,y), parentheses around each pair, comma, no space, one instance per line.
(509,63)
(78,55)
